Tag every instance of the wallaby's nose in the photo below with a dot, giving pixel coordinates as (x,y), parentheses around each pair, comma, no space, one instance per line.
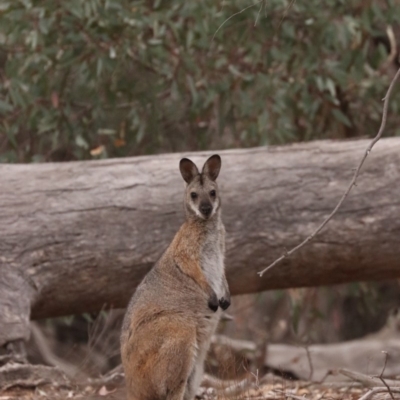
(206,209)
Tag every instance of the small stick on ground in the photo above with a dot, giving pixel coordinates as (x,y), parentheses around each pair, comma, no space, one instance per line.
(352,183)
(290,395)
(366,380)
(311,373)
(376,390)
(381,375)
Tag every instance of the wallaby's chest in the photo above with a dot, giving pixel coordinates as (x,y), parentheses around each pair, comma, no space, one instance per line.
(212,260)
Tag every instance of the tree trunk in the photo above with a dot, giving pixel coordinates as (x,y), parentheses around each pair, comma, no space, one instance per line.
(76,236)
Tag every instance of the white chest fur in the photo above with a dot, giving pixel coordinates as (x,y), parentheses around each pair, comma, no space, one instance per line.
(212,259)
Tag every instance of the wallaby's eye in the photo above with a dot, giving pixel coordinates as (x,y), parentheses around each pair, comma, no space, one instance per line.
(193,195)
(212,193)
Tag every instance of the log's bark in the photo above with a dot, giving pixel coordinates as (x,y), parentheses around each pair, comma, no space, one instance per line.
(79,235)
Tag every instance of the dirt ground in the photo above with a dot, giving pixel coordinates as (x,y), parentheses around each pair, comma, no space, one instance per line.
(267,388)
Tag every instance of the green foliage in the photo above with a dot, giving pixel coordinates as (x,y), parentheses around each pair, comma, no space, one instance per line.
(98,78)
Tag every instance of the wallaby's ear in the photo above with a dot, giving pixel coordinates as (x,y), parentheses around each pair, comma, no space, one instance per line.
(188,169)
(212,167)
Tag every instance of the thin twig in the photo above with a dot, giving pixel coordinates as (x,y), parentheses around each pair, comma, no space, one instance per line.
(259,12)
(286,12)
(311,373)
(381,375)
(393,45)
(384,365)
(289,394)
(293,396)
(352,183)
(239,12)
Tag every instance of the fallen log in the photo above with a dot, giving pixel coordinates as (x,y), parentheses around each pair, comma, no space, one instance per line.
(76,236)
(361,360)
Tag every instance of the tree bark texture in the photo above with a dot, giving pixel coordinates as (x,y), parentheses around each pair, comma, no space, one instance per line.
(77,236)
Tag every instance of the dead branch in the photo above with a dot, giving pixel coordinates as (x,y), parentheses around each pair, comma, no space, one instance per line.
(352,183)
(367,380)
(381,375)
(376,390)
(238,346)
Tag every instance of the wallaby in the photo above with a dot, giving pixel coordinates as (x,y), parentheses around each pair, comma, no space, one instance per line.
(174,311)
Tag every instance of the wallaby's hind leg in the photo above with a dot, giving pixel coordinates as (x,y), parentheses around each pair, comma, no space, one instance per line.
(158,369)
(178,394)
(196,376)
(197,373)
(194,380)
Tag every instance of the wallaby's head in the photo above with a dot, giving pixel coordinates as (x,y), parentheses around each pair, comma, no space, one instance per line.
(201,196)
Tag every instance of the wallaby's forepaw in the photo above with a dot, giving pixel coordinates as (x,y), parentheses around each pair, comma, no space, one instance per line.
(213,302)
(224,303)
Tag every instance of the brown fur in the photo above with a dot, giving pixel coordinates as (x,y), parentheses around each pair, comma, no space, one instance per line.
(169,321)
(185,251)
